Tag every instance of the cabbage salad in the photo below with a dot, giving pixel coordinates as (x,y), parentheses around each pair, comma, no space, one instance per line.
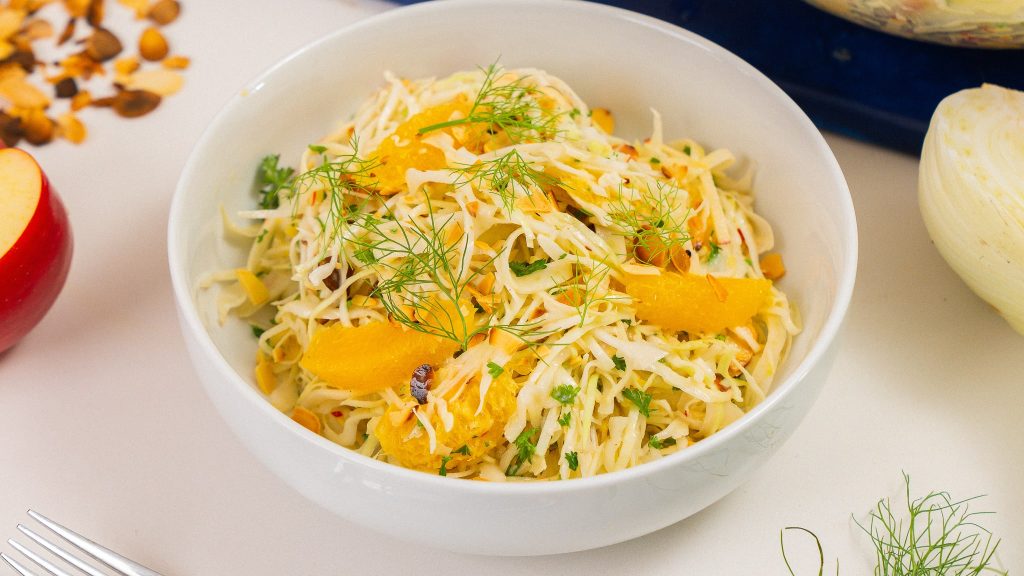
(473,277)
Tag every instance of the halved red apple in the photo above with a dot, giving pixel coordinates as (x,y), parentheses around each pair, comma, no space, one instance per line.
(35,245)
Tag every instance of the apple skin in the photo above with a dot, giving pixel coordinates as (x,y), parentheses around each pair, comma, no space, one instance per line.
(33,271)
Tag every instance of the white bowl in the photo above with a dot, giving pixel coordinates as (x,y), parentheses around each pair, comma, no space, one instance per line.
(615,59)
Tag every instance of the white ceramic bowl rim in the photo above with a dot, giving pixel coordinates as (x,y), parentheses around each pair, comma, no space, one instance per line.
(182,291)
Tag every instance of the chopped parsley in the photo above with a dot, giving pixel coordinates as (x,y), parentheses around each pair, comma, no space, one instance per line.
(658,443)
(563,420)
(526,449)
(316,148)
(494,370)
(573,459)
(443,470)
(619,362)
(565,393)
(256,330)
(527,268)
(687,149)
(464,450)
(262,235)
(574,113)
(641,399)
(272,178)
(655,161)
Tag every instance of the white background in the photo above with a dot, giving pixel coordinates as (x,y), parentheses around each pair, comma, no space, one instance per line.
(103,424)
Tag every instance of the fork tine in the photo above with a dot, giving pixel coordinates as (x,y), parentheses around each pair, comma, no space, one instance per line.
(105,555)
(58,551)
(39,560)
(17,565)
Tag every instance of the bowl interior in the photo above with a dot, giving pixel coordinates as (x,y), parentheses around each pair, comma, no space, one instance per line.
(614,59)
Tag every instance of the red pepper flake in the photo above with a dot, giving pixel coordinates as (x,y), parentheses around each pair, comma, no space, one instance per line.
(337,413)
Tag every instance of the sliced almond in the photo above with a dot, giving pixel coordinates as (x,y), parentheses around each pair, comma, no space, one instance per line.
(94,14)
(140,7)
(135,103)
(80,66)
(68,32)
(37,29)
(164,12)
(10,21)
(11,129)
(39,129)
(153,45)
(126,65)
(80,100)
(103,45)
(158,81)
(19,92)
(77,8)
(71,128)
(176,62)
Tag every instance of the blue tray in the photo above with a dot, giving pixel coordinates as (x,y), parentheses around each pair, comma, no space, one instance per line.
(848,78)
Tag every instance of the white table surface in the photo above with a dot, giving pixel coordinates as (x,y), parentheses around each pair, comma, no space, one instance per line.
(103,423)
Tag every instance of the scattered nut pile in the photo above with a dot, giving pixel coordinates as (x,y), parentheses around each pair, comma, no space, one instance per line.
(137,82)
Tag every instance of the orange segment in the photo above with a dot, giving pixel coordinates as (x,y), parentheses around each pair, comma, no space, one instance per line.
(772,266)
(372,357)
(405,149)
(692,303)
(603,119)
(479,432)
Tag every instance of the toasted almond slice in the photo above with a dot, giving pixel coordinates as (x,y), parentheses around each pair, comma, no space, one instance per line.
(37,29)
(158,81)
(77,8)
(80,66)
(176,62)
(307,419)
(10,21)
(134,103)
(126,65)
(80,100)
(39,129)
(164,12)
(68,32)
(20,93)
(140,7)
(103,45)
(94,14)
(153,45)
(71,128)
(11,129)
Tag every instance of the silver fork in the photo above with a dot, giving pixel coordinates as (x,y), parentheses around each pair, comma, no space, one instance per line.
(121,565)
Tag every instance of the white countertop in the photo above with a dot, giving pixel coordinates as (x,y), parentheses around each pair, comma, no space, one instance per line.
(104,425)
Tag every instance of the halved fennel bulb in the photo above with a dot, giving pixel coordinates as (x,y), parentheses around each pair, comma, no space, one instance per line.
(971,193)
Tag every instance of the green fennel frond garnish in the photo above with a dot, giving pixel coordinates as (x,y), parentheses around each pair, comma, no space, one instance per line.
(509,176)
(817,542)
(658,443)
(512,107)
(272,178)
(619,362)
(424,275)
(342,180)
(586,287)
(525,448)
(641,399)
(651,224)
(935,534)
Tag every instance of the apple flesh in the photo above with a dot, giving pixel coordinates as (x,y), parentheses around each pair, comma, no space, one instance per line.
(35,245)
